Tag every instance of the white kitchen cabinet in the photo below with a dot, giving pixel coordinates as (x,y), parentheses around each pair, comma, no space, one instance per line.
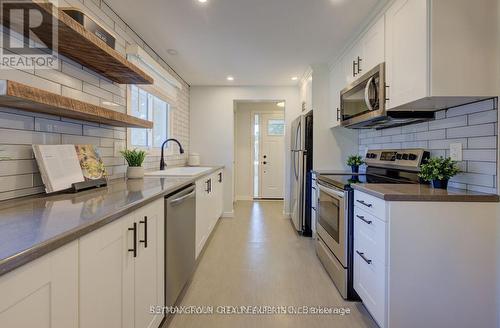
(209,200)
(120,278)
(337,83)
(440,54)
(400,262)
(351,63)
(372,47)
(149,277)
(42,293)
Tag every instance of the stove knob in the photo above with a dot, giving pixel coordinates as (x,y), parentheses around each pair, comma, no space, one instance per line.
(405,157)
(374,155)
(412,157)
(368,155)
(399,156)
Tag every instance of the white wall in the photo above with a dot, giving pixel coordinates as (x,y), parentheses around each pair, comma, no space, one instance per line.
(243,168)
(212,124)
(332,146)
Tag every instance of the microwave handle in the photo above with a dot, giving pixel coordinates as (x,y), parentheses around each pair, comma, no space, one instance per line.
(367,94)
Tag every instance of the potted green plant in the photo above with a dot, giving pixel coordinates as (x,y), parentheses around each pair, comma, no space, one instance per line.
(439,170)
(134,159)
(354,161)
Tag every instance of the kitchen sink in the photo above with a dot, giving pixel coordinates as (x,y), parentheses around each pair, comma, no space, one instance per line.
(185,171)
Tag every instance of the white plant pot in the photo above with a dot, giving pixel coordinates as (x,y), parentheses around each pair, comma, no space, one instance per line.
(135,172)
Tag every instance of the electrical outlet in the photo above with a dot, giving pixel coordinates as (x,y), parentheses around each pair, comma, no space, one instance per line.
(118,146)
(456,152)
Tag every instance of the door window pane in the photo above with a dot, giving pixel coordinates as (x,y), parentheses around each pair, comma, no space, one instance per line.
(276,127)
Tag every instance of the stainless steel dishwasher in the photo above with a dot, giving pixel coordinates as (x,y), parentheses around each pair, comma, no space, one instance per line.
(180,224)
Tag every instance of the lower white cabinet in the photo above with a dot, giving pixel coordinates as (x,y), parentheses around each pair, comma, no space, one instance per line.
(42,293)
(122,271)
(209,198)
(370,262)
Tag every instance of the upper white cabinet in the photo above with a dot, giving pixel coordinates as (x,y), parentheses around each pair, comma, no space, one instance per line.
(43,293)
(440,54)
(337,83)
(372,47)
(122,267)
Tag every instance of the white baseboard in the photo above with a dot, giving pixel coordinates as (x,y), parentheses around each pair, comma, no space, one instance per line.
(287,215)
(228,215)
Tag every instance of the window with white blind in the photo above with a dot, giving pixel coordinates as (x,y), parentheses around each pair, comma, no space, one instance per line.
(145,105)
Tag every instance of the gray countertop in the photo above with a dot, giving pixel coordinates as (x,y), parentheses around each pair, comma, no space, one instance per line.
(422,193)
(33,226)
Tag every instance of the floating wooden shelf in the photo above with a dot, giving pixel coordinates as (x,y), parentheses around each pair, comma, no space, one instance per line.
(20,96)
(82,46)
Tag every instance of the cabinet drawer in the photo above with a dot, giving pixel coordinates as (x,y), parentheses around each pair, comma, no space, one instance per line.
(369,234)
(370,204)
(370,283)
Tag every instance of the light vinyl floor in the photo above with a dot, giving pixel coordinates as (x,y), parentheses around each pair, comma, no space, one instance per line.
(256,258)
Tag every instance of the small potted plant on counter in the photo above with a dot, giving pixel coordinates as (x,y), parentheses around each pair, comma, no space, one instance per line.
(354,161)
(439,170)
(134,159)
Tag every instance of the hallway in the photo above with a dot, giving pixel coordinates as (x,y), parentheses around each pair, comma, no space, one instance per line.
(258,259)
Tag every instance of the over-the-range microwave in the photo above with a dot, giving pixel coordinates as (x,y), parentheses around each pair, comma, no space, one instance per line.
(362,104)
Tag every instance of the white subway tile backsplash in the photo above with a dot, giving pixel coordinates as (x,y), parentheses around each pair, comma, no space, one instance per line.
(480,155)
(54,126)
(448,123)
(483,117)
(20,129)
(471,131)
(471,108)
(20,137)
(489,142)
(14,121)
(474,126)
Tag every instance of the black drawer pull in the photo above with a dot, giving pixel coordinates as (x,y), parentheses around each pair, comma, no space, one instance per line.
(145,240)
(314,208)
(364,203)
(362,218)
(134,229)
(363,257)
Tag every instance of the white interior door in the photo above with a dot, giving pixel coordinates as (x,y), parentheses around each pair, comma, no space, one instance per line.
(272,148)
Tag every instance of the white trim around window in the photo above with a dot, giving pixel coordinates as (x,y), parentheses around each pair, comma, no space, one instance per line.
(145,105)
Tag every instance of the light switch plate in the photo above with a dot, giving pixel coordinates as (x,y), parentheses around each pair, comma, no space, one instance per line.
(118,146)
(456,152)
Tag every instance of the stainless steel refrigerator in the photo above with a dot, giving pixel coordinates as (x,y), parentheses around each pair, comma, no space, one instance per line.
(301,166)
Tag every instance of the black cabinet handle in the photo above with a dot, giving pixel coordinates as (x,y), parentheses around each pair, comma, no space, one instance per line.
(134,249)
(145,240)
(385,96)
(364,257)
(364,203)
(314,208)
(338,114)
(220,176)
(359,64)
(362,218)
(354,68)
(208,186)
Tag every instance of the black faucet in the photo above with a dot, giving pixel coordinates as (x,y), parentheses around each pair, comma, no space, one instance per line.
(162,160)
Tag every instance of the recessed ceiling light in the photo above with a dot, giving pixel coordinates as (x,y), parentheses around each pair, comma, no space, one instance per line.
(202,1)
(295,78)
(230,78)
(172,52)
(281,104)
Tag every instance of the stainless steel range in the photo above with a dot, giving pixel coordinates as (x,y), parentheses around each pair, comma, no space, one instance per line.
(336,205)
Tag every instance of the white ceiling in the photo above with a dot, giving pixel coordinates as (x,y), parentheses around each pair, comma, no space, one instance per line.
(259,42)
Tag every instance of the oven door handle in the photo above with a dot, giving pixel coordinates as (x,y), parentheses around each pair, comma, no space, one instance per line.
(331,192)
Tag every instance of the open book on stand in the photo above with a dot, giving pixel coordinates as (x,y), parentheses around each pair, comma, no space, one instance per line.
(69,167)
